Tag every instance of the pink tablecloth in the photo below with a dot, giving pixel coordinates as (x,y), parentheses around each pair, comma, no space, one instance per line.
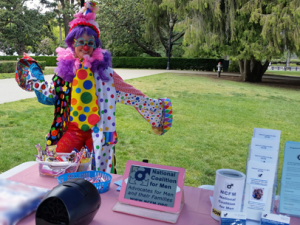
(196,210)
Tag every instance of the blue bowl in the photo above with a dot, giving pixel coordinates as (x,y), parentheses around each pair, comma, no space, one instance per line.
(102,187)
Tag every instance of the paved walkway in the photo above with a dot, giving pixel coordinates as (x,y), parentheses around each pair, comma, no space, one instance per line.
(10,91)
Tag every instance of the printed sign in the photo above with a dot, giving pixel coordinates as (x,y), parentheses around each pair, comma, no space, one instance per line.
(152,186)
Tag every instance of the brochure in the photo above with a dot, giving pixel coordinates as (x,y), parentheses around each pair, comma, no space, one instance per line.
(267,134)
(264,156)
(290,180)
(259,188)
(264,144)
(274,219)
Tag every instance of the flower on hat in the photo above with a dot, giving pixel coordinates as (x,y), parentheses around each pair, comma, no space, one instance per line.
(86,17)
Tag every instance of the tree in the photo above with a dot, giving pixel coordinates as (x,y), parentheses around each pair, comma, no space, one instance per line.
(160,22)
(17,28)
(251,30)
(122,28)
(137,26)
(46,47)
(64,9)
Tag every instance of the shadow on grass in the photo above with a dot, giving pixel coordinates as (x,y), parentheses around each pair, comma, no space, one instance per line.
(268,82)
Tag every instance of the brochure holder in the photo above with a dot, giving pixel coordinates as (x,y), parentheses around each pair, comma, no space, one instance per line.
(257,197)
(257,217)
(148,213)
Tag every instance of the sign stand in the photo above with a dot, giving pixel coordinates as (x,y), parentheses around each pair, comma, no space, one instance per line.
(152,191)
(149,213)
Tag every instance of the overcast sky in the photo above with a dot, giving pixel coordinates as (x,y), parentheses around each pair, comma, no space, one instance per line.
(33,4)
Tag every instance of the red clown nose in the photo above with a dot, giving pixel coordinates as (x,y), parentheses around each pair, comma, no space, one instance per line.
(86,48)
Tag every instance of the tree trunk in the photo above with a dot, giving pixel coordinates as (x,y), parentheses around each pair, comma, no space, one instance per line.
(252,70)
(66,20)
(21,48)
(288,58)
(20,42)
(60,36)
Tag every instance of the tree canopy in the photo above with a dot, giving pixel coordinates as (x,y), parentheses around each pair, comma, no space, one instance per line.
(121,25)
(133,27)
(18,29)
(253,31)
(64,10)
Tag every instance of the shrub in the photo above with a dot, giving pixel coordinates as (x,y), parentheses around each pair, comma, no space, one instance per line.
(7,67)
(234,66)
(42,64)
(175,63)
(10,67)
(49,60)
(147,62)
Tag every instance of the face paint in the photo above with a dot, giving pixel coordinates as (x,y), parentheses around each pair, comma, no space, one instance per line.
(84,46)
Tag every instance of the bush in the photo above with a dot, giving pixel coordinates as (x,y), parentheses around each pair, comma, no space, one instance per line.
(49,60)
(147,62)
(10,67)
(42,64)
(234,66)
(7,67)
(175,63)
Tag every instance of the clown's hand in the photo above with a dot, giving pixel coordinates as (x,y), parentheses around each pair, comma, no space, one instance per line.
(30,77)
(28,71)
(166,117)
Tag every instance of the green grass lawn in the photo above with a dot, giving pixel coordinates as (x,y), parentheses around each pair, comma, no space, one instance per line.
(213,125)
(46,71)
(283,73)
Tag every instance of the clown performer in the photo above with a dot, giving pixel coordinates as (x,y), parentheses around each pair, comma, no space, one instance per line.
(85,90)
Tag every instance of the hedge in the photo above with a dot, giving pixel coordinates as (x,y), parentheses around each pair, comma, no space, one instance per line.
(234,66)
(10,67)
(7,67)
(49,60)
(148,62)
(175,63)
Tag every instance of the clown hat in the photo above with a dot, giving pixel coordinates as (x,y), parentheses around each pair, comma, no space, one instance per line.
(86,17)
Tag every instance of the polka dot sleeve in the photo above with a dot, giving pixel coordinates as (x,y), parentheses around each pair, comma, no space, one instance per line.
(149,108)
(37,80)
(44,92)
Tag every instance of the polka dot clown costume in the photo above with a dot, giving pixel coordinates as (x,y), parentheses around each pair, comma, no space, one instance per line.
(85,90)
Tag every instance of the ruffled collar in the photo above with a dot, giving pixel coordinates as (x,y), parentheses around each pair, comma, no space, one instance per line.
(67,64)
(68,54)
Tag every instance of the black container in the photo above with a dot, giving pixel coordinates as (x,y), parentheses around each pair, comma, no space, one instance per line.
(75,201)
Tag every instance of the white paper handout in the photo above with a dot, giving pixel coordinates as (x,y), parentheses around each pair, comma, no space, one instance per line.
(264,156)
(264,144)
(259,188)
(267,134)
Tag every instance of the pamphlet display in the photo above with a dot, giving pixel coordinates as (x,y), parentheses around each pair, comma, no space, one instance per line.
(228,192)
(152,191)
(290,180)
(262,167)
(233,218)
(274,219)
